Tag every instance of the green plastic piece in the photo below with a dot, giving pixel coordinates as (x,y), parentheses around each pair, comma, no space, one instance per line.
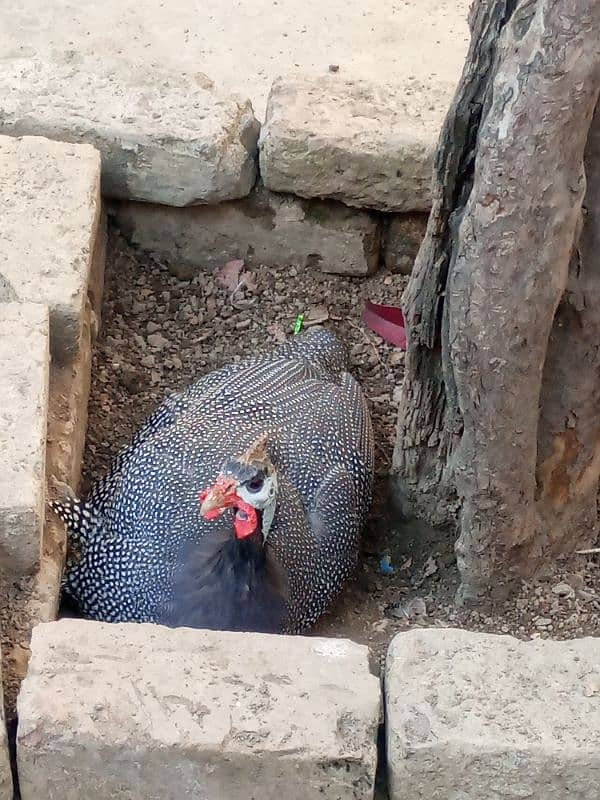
(299,324)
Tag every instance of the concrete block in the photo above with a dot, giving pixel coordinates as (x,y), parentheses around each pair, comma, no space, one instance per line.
(402,237)
(166,138)
(50,210)
(152,713)
(264,228)
(365,144)
(24,363)
(474,716)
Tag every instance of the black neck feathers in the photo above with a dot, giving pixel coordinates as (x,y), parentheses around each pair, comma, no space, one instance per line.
(224,583)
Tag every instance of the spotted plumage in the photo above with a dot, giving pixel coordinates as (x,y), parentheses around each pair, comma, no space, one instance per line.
(139,546)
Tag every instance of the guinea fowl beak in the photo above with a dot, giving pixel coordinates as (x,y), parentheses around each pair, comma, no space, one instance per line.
(218,497)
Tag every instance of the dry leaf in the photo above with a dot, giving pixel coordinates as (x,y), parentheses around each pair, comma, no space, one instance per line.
(410,610)
(248,279)
(563,590)
(315,316)
(429,569)
(406,564)
(379,627)
(228,275)
(19,655)
(276,332)
(582,594)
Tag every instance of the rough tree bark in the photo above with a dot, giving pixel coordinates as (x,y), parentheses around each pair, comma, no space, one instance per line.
(499,421)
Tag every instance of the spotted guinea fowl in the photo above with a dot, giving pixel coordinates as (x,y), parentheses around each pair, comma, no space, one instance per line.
(237,506)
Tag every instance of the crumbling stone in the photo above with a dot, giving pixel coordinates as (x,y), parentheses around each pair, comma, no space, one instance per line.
(151,713)
(365,144)
(50,210)
(478,716)
(166,138)
(264,228)
(24,365)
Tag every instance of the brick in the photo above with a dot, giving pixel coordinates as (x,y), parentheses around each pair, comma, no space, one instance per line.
(477,717)
(365,144)
(49,212)
(165,137)
(264,228)
(24,363)
(152,713)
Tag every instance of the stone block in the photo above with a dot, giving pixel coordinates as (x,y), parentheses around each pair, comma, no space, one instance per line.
(402,237)
(474,716)
(24,364)
(165,138)
(365,144)
(50,209)
(243,46)
(152,713)
(264,228)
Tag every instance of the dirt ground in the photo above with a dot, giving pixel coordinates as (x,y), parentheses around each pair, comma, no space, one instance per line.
(159,333)
(15,601)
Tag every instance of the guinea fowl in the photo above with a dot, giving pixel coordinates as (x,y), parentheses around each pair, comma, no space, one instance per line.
(237,506)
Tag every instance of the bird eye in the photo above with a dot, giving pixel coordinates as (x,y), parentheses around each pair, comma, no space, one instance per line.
(254,485)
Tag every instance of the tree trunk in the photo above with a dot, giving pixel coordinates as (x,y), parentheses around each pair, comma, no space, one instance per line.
(480,445)
(569,429)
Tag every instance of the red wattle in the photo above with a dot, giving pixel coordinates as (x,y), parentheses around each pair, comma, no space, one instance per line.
(245,527)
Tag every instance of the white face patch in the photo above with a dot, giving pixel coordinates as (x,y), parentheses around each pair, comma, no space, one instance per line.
(264,499)
(259,496)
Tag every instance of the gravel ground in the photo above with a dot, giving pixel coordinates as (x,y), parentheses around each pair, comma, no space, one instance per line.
(160,333)
(16,596)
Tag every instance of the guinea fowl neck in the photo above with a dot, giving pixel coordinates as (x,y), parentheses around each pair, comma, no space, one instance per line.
(226,583)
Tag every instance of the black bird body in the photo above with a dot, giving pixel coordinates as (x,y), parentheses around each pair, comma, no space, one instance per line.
(142,550)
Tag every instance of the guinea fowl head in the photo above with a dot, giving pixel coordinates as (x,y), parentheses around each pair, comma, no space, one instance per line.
(247,484)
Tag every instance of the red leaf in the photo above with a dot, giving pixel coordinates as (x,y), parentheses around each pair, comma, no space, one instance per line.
(387,322)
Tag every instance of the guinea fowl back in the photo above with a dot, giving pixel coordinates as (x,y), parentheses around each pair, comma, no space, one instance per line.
(146,553)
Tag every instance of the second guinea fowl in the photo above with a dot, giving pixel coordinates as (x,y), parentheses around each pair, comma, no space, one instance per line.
(237,506)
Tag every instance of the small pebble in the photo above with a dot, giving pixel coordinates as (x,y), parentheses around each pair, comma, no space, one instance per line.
(157,341)
(563,590)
